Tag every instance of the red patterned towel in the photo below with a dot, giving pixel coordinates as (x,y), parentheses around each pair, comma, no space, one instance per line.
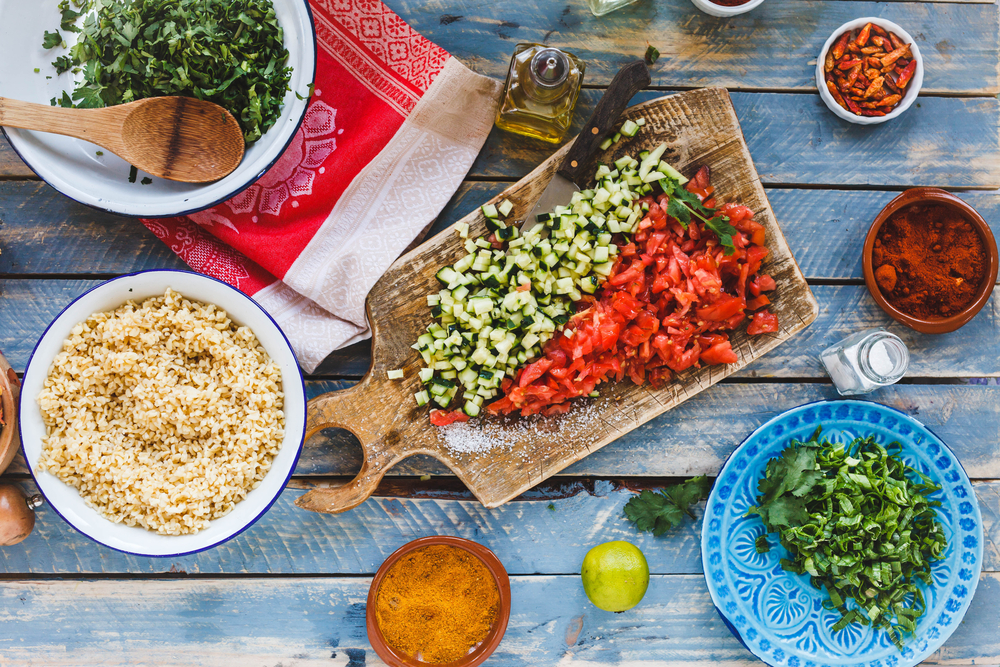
(392,128)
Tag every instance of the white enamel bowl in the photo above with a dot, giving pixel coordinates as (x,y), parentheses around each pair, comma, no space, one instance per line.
(73,167)
(911,92)
(65,499)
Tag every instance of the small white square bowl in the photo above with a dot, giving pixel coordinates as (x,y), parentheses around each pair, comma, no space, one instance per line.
(722,11)
(911,92)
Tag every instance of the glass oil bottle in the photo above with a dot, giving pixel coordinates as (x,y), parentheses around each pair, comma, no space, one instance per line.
(543,84)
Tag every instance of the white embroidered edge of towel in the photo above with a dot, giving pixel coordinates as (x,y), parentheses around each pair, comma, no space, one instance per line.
(312,332)
(397,194)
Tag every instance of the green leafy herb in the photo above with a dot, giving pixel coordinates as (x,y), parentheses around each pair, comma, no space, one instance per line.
(652,55)
(133,173)
(309,93)
(100,153)
(683,204)
(229,52)
(860,522)
(659,512)
(64,101)
(51,40)
(146,180)
(37,70)
(69,17)
(63,64)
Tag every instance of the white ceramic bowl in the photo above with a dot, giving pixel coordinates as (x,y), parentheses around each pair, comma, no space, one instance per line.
(66,500)
(73,167)
(719,10)
(911,92)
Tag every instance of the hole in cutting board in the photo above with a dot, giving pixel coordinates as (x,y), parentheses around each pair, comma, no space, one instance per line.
(332,451)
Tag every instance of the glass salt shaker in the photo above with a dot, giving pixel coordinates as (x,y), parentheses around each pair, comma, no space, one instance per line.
(543,84)
(866,361)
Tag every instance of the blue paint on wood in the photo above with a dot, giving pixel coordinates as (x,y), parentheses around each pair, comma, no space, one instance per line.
(773,46)
(529,537)
(290,621)
(945,142)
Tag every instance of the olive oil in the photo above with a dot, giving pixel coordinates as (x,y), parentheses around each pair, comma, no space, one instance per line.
(543,84)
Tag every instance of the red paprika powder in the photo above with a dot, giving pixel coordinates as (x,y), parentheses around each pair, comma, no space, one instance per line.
(929,261)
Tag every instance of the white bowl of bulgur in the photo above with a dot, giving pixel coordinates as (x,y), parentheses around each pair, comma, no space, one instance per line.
(162,413)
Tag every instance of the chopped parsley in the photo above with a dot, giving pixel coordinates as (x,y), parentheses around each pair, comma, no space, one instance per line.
(658,512)
(230,52)
(860,522)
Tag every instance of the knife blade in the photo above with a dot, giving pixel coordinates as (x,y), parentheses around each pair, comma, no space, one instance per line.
(630,79)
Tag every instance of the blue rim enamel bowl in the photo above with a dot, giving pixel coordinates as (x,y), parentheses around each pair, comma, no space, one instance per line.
(243,310)
(778,615)
(87,174)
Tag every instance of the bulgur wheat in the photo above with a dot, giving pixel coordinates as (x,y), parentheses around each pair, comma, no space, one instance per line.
(163,415)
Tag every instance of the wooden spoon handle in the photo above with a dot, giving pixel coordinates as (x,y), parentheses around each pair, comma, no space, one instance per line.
(100,126)
(357,410)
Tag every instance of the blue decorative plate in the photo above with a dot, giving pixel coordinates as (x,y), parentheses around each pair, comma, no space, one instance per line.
(778,615)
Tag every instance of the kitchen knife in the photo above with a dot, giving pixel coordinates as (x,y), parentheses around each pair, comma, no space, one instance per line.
(630,79)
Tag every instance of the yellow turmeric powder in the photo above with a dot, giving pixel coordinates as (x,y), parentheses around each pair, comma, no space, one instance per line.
(437,603)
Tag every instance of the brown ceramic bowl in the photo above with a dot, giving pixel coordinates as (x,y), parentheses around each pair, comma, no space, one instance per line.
(394,658)
(932,196)
(9,387)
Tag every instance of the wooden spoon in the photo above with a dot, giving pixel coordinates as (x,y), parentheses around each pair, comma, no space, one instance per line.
(176,138)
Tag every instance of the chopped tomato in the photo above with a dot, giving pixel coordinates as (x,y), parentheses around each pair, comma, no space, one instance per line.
(667,306)
(763,322)
(443,418)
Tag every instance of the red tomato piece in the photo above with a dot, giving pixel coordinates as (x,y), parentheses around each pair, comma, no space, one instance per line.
(763,322)
(443,418)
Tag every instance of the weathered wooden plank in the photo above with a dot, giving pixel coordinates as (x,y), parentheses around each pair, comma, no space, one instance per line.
(46,233)
(795,139)
(523,535)
(947,142)
(770,47)
(974,351)
(305,620)
(697,436)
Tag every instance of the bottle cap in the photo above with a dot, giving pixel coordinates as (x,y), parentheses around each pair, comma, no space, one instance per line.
(549,68)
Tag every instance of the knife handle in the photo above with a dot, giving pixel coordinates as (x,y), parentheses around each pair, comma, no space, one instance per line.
(630,79)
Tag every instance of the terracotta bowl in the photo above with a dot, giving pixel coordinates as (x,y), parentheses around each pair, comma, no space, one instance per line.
(9,388)
(932,196)
(395,659)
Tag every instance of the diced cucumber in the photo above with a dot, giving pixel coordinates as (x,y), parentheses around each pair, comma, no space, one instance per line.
(505,208)
(396,374)
(489,210)
(629,128)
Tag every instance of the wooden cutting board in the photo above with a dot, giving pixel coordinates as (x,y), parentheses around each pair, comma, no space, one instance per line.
(700,127)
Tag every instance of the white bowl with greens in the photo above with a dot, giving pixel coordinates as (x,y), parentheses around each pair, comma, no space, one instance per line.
(84,172)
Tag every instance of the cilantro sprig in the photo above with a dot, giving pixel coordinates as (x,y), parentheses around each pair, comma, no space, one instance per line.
(682,205)
(860,522)
(659,512)
(230,52)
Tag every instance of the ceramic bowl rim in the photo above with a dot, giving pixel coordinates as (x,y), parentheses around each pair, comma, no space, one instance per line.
(908,98)
(395,659)
(288,419)
(249,179)
(939,196)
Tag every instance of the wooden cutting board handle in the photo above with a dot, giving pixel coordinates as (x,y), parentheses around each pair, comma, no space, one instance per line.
(356,409)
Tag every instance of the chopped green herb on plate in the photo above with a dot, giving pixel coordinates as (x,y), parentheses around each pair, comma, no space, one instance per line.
(230,52)
(860,522)
(659,512)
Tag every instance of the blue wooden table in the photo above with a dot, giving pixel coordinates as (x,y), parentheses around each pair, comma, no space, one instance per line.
(292,589)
